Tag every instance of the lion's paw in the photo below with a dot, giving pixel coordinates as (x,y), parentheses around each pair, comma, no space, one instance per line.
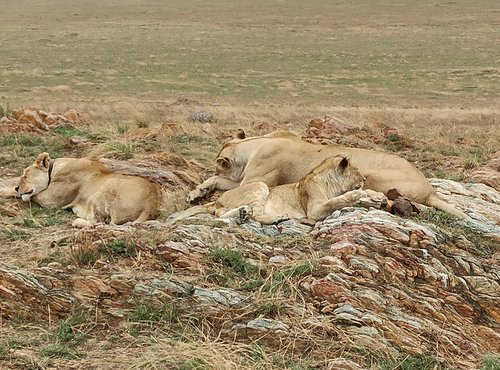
(283,217)
(81,223)
(244,213)
(356,195)
(198,194)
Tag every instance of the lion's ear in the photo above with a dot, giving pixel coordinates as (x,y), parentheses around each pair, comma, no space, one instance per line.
(43,161)
(241,134)
(344,163)
(224,163)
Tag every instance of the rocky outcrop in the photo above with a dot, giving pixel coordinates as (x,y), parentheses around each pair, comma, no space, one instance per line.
(36,120)
(488,173)
(361,280)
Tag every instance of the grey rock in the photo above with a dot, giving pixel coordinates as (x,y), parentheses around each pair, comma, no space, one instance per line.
(264,324)
(223,296)
(201,116)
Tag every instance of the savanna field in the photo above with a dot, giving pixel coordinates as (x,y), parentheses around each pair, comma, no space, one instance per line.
(162,85)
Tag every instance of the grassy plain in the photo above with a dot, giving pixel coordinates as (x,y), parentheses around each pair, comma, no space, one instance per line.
(429,68)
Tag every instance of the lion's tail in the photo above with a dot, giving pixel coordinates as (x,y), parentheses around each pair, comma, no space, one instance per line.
(434,201)
(205,208)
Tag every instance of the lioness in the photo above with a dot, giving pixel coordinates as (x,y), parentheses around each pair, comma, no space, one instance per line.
(92,191)
(282,158)
(331,185)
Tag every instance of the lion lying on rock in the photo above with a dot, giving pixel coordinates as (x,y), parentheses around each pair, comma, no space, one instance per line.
(331,185)
(91,190)
(283,158)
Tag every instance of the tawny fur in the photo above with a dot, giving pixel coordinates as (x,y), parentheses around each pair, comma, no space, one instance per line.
(283,158)
(332,185)
(91,190)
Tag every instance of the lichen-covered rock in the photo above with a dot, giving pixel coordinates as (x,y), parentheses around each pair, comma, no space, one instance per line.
(360,280)
(201,116)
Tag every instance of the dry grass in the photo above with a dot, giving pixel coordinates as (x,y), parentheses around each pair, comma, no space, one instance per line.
(428,69)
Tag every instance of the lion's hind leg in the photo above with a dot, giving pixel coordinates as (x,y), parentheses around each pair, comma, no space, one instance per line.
(240,214)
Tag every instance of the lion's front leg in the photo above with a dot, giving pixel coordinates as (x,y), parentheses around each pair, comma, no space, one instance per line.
(320,211)
(209,186)
(86,215)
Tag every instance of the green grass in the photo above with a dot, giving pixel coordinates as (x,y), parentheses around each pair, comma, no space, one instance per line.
(38,217)
(84,257)
(148,311)
(14,234)
(119,247)
(285,278)
(481,243)
(76,326)
(68,131)
(491,362)
(57,256)
(5,111)
(23,148)
(270,309)
(296,55)
(122,151)
(60,351)
(234,260)
(424,362)
(233,270)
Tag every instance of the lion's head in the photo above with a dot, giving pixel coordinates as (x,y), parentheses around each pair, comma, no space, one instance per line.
(334,176)
(36,177)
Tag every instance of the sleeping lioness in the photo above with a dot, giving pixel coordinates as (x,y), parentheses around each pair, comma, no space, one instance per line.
(331,185)
(91,190)
(283,158)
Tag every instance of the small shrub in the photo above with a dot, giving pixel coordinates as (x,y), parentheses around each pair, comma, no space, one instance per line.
(234,260)
(142,123)
(270,309)
(286,276)
(56,256)
(84,256)
(223,278)
(253,284)
(121,129)
(76,326)
(3,351)
(119,247)
(393,137)
(122,151)
(5,111)
(67,131)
